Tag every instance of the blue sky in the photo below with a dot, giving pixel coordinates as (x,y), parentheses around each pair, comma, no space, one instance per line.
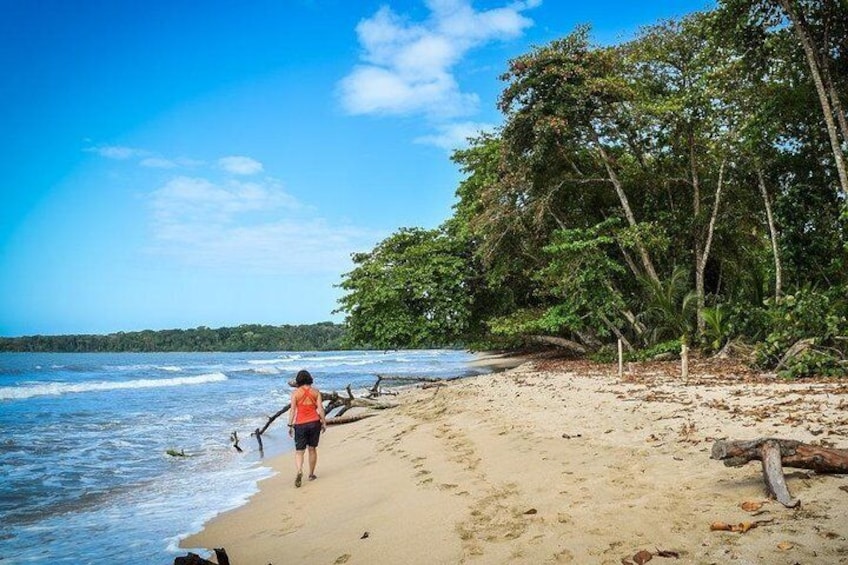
(177,164)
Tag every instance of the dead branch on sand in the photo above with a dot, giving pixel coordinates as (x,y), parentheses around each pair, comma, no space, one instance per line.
(334,401)
(777,453)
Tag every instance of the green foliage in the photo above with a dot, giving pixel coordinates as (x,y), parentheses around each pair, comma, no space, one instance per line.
(582,274)
(410,291)
(609,353)
(815,363)
(587,215)
(324,336)
(671,346)
(717,329)
(821,317)
(669,308)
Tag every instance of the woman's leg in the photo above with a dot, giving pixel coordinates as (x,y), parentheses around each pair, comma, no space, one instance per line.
(313,460)
(298,462)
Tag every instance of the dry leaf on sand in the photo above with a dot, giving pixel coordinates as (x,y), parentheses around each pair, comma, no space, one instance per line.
(740,527)
(751,505)
(642,557)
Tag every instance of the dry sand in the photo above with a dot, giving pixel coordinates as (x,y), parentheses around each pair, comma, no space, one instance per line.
(555,462)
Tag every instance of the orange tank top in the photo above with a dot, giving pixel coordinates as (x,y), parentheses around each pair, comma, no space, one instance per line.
(306,401)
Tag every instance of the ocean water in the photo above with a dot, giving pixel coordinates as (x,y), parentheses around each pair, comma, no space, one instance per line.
(84,472)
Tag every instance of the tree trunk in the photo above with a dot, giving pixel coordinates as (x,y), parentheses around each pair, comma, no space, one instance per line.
(799,26)
(625,205)
(705,252)
(836,102)
(616,331)
(699,250)
(560,342)
(778,269)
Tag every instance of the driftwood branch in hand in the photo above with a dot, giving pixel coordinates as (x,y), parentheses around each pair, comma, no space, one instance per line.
(777,453)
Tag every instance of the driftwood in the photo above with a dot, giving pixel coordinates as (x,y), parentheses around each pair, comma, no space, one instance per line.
(560,342)
(235,441)
(777,453)
(195,559)
(348,419)
(332,401)
(407,379)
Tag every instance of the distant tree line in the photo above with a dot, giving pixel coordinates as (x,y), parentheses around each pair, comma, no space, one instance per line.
(688,185)
(324,336)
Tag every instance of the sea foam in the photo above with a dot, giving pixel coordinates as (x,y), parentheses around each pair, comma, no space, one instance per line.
(55,389)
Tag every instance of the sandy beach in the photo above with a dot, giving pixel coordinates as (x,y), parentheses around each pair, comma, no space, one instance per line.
(556,462)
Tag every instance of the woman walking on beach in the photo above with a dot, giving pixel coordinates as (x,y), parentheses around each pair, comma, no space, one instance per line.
(306,422)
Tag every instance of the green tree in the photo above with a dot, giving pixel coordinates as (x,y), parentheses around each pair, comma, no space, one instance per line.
(409,291)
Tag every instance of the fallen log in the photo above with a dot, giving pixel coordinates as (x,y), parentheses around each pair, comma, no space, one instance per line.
(332,400)
(560,342)
(347,419)
(774,454)
(408,379)
(353,402)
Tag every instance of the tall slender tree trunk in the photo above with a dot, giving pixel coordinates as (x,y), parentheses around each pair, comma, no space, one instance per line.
(696,215)
(778,269)
(837,103)
(705,255)
(800,28)
(828,81)
(647,264)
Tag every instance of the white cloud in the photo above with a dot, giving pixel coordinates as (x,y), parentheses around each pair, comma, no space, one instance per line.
(240,165)
(406,67)
(252,226)
(118,152)
(158,163)
(455,136)
(151,159)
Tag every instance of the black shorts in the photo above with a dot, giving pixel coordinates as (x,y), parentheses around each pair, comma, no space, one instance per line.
(307,434)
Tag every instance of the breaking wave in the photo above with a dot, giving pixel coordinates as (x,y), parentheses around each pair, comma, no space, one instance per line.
(56,389)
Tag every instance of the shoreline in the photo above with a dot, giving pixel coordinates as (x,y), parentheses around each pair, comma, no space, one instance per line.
(552,462)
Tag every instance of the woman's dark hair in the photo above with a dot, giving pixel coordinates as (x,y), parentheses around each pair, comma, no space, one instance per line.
(303,378)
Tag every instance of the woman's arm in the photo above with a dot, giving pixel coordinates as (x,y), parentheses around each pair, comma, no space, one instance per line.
(292,411)
(321,414)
